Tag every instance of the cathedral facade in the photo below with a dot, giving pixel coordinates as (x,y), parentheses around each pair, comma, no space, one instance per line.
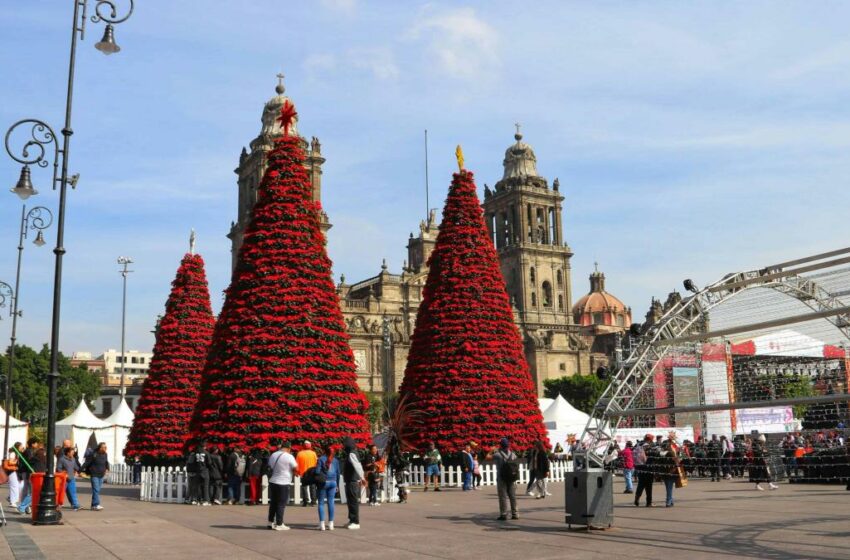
(523,216)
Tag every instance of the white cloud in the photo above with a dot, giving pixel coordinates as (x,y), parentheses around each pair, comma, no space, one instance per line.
(464,45)
(319,63)
(377,60)
(340,6)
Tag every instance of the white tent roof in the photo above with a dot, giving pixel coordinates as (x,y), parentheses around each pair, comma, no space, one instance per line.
(82,417)
(788,342)
(13,422)
(561,415)
(122,416)
(544,403)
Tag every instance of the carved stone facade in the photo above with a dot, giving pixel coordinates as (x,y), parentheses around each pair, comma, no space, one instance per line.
(523,215)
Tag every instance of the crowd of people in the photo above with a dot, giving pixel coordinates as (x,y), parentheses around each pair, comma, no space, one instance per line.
(23,462)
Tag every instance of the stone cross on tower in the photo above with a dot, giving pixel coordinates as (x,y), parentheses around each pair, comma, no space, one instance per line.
(517,125)
(279,88)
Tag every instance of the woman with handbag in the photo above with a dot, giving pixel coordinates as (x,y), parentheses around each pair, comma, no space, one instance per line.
(327,481)
(669,469)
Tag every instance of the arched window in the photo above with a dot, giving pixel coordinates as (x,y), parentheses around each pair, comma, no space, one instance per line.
(547,294)
(598,319)
(559,278)
(533,299)
(621,321)
(531,276)
(560,302)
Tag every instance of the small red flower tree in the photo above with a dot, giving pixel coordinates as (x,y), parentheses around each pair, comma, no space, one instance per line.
(170,391)
(466,372)
(280,365)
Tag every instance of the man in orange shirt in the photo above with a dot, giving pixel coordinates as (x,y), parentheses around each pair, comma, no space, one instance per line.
(306,460)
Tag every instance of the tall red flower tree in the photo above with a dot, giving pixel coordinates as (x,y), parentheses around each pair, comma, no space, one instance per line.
(466,372)
(170,391)
(280,365)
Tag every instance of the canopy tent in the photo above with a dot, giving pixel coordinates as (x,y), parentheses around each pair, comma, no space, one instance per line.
(18,430)
(561,415)
(79,426)
(121,421)
(562,419)
(544,403)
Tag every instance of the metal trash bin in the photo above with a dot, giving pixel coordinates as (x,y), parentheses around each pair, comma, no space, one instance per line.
(589,498)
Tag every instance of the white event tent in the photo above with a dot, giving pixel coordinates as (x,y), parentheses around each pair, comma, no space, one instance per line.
(561,418)
(18,430)
(78,427)
(121,422)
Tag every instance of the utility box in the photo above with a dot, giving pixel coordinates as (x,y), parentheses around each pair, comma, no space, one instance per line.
(589,498)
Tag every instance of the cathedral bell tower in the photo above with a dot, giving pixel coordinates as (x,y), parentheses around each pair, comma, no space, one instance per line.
(523,216)
(252,167)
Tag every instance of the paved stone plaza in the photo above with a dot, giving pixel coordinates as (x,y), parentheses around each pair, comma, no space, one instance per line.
(724,520)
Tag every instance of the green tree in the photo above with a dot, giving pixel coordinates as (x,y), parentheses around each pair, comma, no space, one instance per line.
(582,391)
(29,382)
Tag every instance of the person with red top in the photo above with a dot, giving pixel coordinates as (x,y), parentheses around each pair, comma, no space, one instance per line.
(628,466)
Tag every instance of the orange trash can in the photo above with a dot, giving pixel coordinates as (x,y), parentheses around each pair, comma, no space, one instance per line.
(37,480)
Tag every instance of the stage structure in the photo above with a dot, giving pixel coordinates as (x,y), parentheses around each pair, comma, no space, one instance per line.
(763,349)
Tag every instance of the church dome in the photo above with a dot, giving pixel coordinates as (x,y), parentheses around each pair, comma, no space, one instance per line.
(520,160)
(271,128)
(601,308)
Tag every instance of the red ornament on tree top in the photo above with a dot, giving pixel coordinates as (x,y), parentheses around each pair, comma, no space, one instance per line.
(287,115)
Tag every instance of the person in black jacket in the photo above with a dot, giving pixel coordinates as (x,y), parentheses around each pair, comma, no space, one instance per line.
(540,466)
(97,466)
(254,476)
(468,467)
(353,476)
(199,464)
(216,475)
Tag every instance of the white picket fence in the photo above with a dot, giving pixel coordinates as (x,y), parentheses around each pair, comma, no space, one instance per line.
(169,484)
(120,474)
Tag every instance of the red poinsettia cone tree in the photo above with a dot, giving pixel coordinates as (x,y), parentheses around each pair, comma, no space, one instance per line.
(466,372)
(280,365)
(170,391)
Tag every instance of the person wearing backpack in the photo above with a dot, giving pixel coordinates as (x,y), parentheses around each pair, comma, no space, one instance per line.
(234,471)
(254,476)
(644,467)
(507,474)
(328,467)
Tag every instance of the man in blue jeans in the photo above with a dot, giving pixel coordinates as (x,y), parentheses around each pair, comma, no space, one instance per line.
(468,466)
(97,466)
(433,459)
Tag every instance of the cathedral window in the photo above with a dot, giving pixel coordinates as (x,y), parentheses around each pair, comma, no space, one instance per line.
(533,299)
(621,321)
(559,278)
(547,294)
(598,319)
(531,276)
(553,232)
(560,303)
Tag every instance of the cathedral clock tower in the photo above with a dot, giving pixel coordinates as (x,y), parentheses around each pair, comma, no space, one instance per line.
(523,215)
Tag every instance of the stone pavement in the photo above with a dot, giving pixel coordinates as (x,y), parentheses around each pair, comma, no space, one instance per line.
(710,520)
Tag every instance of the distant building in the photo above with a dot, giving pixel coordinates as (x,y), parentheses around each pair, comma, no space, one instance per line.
(85,359)
(135,368)
(110,398)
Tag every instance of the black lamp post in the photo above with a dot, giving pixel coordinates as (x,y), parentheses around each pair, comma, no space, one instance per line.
(38,219)
(41,135)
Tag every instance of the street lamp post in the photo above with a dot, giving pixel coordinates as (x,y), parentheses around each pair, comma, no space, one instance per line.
(42,135)
(125,261)
(39,219)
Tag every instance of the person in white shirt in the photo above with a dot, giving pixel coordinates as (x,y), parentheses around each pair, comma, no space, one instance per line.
(282,468)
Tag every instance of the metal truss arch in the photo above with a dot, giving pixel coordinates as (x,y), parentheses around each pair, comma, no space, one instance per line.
(678,325)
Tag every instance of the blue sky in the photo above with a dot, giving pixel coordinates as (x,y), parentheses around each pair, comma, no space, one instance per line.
(690,139)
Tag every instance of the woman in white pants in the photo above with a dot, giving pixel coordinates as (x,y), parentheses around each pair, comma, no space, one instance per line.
(10,465)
